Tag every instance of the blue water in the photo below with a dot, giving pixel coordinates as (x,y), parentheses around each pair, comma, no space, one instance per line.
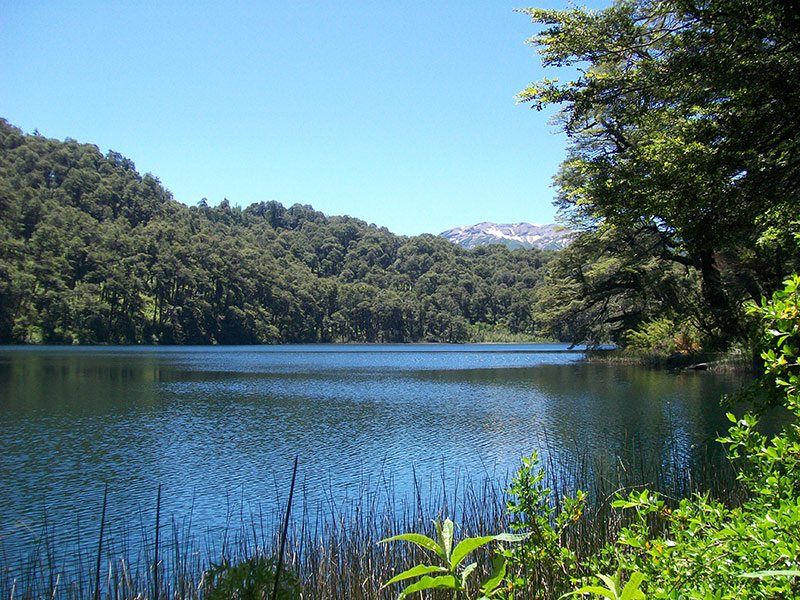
(218,428)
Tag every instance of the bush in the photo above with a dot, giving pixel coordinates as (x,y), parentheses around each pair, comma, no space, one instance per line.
(663,336)
(701,548)
(249,579)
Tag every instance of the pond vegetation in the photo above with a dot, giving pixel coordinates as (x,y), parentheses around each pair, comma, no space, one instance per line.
(337,553)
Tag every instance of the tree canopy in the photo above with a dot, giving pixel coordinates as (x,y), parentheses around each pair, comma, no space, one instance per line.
(91,251)
(682,121)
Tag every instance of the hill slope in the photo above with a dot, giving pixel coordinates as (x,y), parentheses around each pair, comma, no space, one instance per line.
(91,251)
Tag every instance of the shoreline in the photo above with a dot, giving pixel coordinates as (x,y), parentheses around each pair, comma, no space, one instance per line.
(677,361)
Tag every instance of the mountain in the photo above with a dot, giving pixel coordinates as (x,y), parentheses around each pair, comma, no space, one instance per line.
(516,235)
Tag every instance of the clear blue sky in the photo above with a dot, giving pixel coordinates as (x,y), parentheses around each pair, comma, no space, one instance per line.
(399,113)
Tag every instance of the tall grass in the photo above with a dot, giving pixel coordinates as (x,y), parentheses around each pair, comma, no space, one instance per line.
(332,549)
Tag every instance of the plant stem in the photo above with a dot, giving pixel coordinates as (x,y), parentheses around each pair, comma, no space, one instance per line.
(155,560)
(99,547)
(283,534)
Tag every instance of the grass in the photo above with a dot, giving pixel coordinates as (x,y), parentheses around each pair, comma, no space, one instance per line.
(332,551)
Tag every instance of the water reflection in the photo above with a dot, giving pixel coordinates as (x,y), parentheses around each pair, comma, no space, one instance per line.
(217,427)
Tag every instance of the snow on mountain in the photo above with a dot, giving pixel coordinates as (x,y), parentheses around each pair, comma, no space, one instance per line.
(515,235)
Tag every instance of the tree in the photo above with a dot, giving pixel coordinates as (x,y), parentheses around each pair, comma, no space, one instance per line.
(682,120)
(608,282)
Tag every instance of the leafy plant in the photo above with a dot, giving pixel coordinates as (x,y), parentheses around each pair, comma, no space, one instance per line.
(702,548)
(542,558)
(250,579)
(449,574)
(656,334)
(614,589)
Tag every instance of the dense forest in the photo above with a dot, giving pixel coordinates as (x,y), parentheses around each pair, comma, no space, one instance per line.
(91,251)
(680,180)
(682,170)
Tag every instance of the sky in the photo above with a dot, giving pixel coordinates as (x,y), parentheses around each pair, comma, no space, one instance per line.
(402,114)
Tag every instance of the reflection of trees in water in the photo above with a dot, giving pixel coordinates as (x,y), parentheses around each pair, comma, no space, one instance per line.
(64,381)
(590,418)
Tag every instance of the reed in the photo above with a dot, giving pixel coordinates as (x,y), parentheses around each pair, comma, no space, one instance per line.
(332,548)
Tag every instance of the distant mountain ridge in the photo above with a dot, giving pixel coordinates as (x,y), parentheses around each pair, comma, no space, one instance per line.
(514,235)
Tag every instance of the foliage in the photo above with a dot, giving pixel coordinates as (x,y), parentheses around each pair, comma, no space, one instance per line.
(542,563)
(614,589)
(249,579)
(654,334)
(681,119)
(610,281)
(93,252)
(664,336)
(483,333)
(449,575)
(701,548)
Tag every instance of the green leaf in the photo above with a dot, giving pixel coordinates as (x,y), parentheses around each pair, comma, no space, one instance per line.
(465,573)
(427,583)
(466,546)
(414,572)
(446,539)
(498,574)
(631,590)
(511,537)
(591,589)
(773,573)
(613,584)
(423,541)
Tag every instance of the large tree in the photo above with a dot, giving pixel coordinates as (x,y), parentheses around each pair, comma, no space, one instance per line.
(683,119)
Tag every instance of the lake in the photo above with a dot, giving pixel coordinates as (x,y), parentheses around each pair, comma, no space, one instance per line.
(218,428)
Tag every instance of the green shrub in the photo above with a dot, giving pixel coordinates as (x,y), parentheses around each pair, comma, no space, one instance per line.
(249,579)
(663,336)
(541,565)
(701,548)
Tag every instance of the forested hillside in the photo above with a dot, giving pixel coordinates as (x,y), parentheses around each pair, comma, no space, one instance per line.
(93,252)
